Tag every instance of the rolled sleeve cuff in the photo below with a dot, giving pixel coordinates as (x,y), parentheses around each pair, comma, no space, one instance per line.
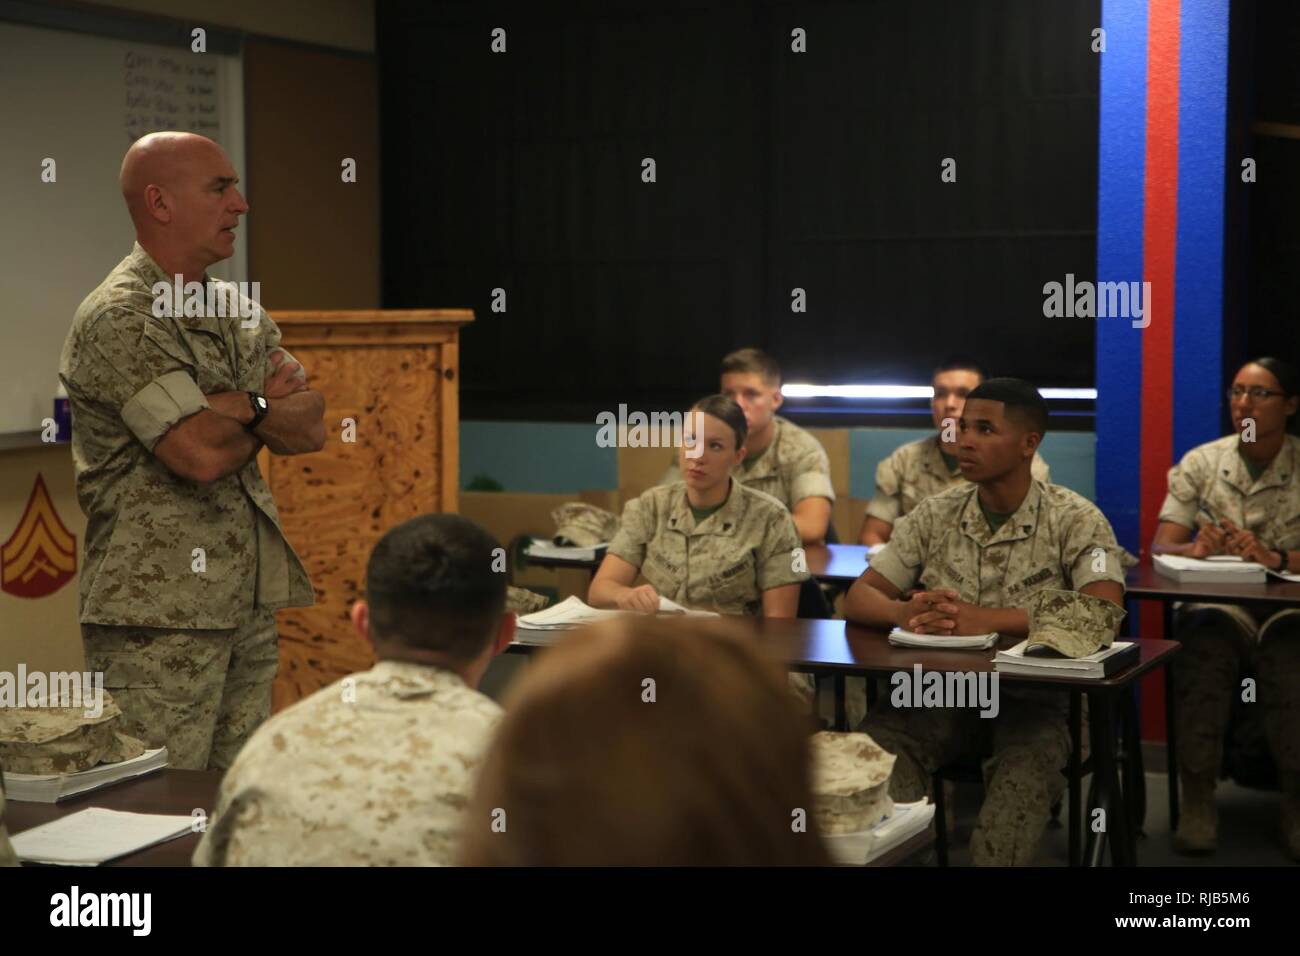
(889,567)
(161,404)
(886,509)
(811,484)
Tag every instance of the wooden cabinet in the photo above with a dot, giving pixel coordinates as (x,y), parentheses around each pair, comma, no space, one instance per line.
(390,381)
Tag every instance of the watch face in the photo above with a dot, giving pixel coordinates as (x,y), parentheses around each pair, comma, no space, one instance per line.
(262,403)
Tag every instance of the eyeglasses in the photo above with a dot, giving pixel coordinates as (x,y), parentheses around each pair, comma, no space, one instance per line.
(1256,392)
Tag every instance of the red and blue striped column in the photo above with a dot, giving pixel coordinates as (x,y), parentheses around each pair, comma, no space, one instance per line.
(1160,215)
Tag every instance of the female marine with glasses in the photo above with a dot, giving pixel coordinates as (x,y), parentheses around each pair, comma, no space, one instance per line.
(1238,496)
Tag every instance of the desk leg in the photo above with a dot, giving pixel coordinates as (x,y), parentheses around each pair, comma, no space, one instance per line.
(1135,781)
(1171,749)
(1101,716)
(841,704)
(1076,743)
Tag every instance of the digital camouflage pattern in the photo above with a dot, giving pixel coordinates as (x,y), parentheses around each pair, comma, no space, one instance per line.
(373,770)
(1071,623)
(794,466)
(582,525)
(914,472)
(723,563)
(199,693)
(524,601)
(1222,643)
(45,740)
(850,782)
(1055,540)
(130,376)
(7,855)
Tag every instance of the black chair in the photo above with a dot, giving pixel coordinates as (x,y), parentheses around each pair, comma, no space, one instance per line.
(1128,754)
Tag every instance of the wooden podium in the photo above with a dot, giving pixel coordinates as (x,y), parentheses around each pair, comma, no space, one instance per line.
(394,376)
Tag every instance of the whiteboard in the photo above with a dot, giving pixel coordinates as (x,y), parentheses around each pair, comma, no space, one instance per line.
(81,100)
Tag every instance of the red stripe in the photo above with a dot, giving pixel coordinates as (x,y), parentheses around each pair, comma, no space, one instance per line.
(1159,229)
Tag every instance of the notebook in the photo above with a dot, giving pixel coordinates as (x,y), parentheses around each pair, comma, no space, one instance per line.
(53,787)
(1105,662)
(901,638)
(1221,569)
(856,849)
(95,835)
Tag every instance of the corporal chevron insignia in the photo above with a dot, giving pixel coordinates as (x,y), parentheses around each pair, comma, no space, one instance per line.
(41,555)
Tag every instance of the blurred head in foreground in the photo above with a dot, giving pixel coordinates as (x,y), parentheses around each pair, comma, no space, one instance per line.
(648,742)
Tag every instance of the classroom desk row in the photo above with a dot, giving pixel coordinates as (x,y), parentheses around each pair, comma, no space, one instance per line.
(838,649)
(180,792)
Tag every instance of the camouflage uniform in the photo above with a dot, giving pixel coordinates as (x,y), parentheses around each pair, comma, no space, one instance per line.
(173,642)
(1050,541)
(914,472)
(1221,642)
(7,855)
(725,562)
(793,467)
(376,772)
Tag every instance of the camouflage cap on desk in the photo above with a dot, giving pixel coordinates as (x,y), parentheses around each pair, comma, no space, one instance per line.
(582,525)
(524,601)
(850,782)
(63,739)
(1072,623)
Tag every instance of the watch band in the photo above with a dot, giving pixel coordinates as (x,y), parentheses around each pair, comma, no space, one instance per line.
(260,408)
(1286,559)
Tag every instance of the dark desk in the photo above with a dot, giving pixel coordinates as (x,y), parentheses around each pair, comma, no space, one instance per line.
(837,563)
(179,792)
(840,649)
(1144,583)
(832,563)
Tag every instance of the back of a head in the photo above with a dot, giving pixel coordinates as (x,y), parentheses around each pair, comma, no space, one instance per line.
(1023,402)
(647,742)
(755,361)
(430,585)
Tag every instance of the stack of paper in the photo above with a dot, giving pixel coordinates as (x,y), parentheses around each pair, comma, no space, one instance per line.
(1285,576)
(545,548)
(573,612)
(856,849)
(901,638)
(1221,569)
(1105,662)
(95,835)
(51,788)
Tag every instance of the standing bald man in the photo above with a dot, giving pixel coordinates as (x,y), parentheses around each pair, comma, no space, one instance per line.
(185,561)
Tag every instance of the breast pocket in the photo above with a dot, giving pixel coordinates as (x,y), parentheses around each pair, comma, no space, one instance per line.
(212,369)
(734,589)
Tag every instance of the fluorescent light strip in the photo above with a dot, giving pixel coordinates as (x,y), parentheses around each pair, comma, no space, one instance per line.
(800,390)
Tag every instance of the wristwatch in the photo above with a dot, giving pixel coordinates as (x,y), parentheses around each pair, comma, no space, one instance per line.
(260,407)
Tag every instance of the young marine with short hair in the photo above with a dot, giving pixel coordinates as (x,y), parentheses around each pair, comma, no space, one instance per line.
(976,555)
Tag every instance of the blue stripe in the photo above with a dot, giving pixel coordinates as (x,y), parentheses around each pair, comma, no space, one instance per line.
(1120,183)
(1202,132)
